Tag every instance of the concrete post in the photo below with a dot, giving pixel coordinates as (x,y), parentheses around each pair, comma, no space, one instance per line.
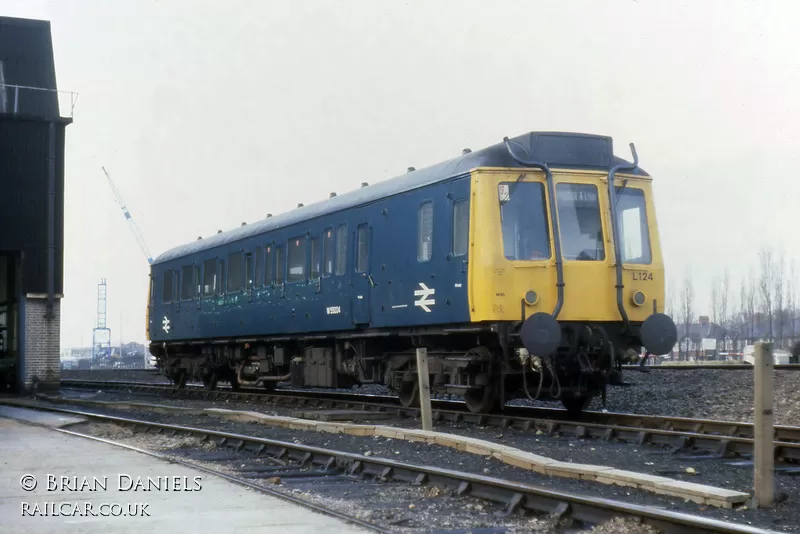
(424,389)
(764,462)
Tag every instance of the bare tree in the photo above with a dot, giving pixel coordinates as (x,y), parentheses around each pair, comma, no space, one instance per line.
(778,297)
(723,299)
(686,311)
(749,305)
(766,286)
(715,300)
(791,301)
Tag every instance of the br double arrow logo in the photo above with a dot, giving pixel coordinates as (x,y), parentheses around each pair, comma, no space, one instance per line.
(424,294)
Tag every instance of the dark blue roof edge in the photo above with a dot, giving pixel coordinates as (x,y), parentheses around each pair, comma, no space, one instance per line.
(493,156)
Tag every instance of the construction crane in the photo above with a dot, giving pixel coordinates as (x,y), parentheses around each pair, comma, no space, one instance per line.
(134,227)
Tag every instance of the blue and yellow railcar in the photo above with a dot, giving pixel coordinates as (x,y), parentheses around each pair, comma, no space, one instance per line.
(529,268)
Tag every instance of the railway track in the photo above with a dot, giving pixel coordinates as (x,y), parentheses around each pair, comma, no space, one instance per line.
(721,437)
(696,366)
(267,457)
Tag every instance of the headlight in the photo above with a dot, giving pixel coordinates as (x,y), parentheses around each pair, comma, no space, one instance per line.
(638,298)
(531,298)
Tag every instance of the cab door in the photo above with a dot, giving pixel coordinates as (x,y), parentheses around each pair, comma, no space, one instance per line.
(362,280)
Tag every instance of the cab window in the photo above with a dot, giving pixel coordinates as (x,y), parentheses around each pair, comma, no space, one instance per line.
(425,232)
(167,286)
(523,216)
(634,235)
(460,227)
(579,222)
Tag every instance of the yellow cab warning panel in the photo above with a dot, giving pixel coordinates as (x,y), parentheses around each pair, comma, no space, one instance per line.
(512,258)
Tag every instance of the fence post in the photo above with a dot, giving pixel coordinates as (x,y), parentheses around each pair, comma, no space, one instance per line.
(763,426)
(424,389)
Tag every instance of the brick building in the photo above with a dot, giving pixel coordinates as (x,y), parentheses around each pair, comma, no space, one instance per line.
(32,131)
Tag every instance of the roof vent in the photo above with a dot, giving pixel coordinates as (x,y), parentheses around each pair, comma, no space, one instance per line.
(364,184)
(299,204)
(333,194)
(466,151)
(411,169)
(269,215)
(219,231)
(199,238)
(244,224)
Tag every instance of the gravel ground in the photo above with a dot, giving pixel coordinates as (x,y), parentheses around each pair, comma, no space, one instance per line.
(402,507)
(700,393)
(785,517)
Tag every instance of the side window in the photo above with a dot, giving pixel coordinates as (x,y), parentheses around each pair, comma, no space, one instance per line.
(425,232)
(362,250)
(198,286)
(210,277)
(152,299)
(187,282)
(316,258)
(327,252)
(167,286)
(234,272)
(341,249)
(269,266)
(280,267)
(248,271)
(221,277)
(297,259)
(258,274)
(460,227)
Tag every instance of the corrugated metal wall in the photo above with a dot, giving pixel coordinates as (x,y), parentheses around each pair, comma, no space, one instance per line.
(27,56)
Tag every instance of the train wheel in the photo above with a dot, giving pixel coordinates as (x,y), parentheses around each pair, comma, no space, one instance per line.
(210,381)
(409,394)
(576,405)
(180,380)
(481,400)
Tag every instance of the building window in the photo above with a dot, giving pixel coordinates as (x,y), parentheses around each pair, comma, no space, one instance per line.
(210,277)
(315,258)
(234,272)
(187,282)
(258,275)
(341,249)
(425,232)
(198,286)
(460,227)
(297,259)
(269,266)
(248,271)
(280,267)
(327,252)
(167,288)
(362,250)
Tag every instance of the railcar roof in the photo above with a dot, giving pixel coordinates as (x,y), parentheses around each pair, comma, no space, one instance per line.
(557,149)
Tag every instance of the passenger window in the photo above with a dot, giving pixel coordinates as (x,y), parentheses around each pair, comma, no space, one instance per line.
(579,222)
(167,287)
(248,271)
(460,227)
(297,259)
(187,282)
(258,275)
(210,277)
(234,272)
(362,250)
(280,260)
(634,235)
(425,232)
(524,222)
(269,266)
(198,286)
(315,258)
(327,252)
(341,249)
(221,277)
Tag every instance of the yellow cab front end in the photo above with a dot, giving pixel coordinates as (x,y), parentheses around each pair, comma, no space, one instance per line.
(580,321)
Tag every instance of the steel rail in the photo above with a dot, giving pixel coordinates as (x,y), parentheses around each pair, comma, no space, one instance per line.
(516,496)
(721,437)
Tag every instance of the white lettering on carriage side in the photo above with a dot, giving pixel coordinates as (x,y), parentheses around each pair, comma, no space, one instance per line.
(333,310)
(165,324)
(458,284)
(424,294)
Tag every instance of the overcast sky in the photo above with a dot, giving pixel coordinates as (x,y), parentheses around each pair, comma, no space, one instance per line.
(210,113)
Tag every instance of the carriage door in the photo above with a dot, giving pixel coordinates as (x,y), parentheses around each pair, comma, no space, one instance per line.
(362,279)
